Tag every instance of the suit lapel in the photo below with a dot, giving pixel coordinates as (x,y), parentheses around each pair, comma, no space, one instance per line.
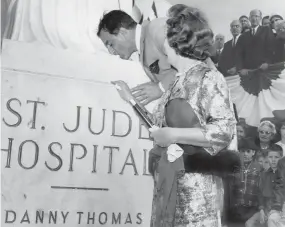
(258,31)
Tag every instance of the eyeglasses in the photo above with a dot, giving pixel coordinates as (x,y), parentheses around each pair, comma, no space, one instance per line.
(264,132)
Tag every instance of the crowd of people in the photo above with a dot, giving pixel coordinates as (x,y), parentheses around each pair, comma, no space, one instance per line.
(253,45)
(252,195)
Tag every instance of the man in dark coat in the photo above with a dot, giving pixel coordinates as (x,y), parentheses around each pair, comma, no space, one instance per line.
(226,63)
(254,47)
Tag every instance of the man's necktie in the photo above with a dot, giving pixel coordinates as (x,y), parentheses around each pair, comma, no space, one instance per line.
(253,31)
(154,67)
(234,42)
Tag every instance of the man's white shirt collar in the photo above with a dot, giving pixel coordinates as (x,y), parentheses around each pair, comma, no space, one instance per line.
(255,29)
(237,37)
(138,37)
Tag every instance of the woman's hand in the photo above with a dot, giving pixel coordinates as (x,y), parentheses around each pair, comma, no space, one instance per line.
(163,137)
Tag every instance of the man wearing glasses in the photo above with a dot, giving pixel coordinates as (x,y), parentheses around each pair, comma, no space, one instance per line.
(280,35)
(226,64)
(278,42)
(280,29)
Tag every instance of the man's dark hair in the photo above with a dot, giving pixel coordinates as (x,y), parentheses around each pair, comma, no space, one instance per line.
(113,21)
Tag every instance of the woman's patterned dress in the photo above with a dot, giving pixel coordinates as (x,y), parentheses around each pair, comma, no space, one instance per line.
(199,196)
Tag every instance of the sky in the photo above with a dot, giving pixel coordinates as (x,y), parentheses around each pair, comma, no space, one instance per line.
(220,13)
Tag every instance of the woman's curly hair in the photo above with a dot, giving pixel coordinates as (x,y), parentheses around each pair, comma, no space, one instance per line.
(188,32)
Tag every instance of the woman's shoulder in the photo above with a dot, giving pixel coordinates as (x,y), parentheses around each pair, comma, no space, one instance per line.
(214,73)
(212,77)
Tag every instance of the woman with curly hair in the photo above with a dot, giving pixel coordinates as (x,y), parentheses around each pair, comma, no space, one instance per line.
(198,196)
(195,112)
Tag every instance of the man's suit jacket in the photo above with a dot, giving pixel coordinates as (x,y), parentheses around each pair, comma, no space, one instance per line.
(153,37)
(278,54)
(216,56)
(227,58)
(254,50)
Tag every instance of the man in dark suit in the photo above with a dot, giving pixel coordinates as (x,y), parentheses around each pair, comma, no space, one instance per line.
(219,45)
(278,41)
(254,47)
(226,64)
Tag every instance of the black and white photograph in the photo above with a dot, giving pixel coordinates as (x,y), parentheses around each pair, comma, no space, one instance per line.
(142,113)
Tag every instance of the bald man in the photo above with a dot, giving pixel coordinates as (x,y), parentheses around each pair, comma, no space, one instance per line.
(254,48)
(219,45)
(226,64)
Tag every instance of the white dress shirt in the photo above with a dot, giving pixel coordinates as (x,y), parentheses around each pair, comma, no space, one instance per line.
(255,29)
(135,56)
(237,37)
(138,37)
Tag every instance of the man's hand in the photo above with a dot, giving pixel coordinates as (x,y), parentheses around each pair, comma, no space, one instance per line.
(147,92)
(243,72)
(232,71)
(264,66)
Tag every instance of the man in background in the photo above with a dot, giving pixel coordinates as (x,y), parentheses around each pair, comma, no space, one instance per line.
(226,64)
(280,29)
(278,54)
(273,20)
(265,21)
(245,23)
(219,45)
(254,47)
